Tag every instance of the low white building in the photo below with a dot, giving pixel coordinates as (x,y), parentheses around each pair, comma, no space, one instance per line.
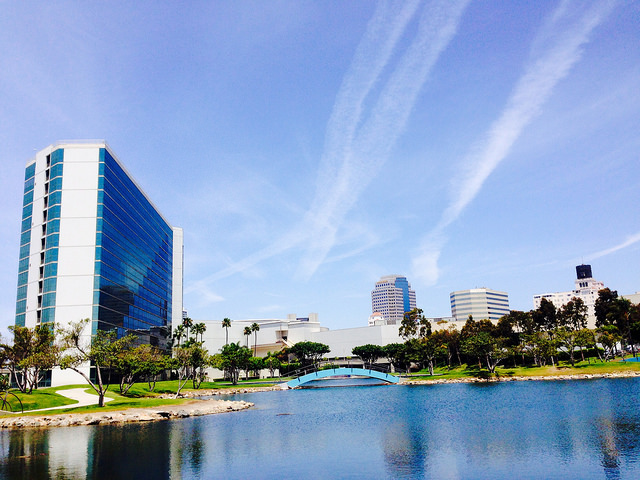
(275,334)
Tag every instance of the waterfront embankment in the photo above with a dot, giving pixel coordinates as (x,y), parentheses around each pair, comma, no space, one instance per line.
(149,414)
(517,378)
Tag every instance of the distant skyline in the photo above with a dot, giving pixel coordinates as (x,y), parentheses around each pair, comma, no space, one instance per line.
(309,148)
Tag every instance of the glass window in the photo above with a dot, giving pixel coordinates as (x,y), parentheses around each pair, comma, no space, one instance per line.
(57,156)
(30,171)
(23,265)
(24,251)
(55,198)
(54,212)
(51,270)
(51,255)
(48,315)
(50,284)
(21,306)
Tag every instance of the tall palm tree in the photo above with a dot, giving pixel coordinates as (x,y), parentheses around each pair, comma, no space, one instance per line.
(178,334)
(187,323)
(255,328)
(247,332)
(226,323)
(199,329)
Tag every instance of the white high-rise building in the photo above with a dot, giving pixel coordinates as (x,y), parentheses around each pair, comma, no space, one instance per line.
(94,246)
(480,303)
(587,289)
(391,298)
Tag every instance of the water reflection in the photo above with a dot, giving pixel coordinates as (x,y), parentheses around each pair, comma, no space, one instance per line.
(528,430)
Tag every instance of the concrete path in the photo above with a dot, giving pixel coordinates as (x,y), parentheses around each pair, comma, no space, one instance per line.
(80,395)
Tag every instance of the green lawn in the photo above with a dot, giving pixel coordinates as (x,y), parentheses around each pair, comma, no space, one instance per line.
(138,396)
(563,368)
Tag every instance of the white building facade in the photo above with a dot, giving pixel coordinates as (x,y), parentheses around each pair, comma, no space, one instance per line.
(93,246)
(481,303)
(586,288)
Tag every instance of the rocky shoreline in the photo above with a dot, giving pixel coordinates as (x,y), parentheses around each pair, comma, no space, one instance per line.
(150,414)
(221,391)
(579,376)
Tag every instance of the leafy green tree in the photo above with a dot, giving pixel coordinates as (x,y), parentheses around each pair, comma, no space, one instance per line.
(522,321)
(608,336)
(485,347)
(634,326)
(232,359)
(573,314)
(255,328)
(585,339)
(542,347)
(226,324)
(414,323)
(190,362)
(102,350)
(135,363)
(271,362)
(545,316)
(397,355)
(309,353)
(254,365)
(33,351)
(568,338)
(368,353)
(613,310)
(605,307)
(425,350)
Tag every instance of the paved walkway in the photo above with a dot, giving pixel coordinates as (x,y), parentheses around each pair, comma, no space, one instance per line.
(80,395)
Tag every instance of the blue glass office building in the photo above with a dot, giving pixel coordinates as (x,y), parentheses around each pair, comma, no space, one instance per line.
(392,297)
(94,246)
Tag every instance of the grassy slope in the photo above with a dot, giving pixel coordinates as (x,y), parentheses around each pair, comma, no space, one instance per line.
(138,396)
(564,368)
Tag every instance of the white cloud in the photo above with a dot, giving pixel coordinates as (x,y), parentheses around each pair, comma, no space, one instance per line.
(629,241)
(360,148)
(556,50)
(357,144)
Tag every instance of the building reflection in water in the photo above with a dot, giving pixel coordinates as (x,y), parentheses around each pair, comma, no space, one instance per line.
(69,451)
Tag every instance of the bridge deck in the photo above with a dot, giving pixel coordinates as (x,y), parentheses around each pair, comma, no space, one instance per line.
(335,372)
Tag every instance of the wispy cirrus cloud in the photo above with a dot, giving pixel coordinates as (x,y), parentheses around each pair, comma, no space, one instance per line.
(556,49)
(629,241)
(359,138)
(359,143)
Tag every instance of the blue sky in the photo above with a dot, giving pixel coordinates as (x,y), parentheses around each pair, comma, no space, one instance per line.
(308,148)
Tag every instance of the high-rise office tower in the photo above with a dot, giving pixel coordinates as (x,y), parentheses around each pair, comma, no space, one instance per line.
(94,246)
(392,297)
(480,303)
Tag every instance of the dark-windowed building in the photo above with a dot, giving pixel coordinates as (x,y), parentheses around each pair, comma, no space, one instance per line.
(93,245)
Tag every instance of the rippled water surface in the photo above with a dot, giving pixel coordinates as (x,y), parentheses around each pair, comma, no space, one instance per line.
(530,430)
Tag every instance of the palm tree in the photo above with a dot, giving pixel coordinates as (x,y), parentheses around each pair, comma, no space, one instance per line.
(179,333)
(187,323)
(199,329)
(226,323)
(255,328)
(247,332)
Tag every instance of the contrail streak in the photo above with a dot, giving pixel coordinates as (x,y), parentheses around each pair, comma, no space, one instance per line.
(558,47)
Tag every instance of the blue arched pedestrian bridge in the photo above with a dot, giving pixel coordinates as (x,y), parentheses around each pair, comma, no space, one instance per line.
(341,372)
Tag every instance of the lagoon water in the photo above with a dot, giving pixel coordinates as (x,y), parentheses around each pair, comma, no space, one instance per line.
(583,429)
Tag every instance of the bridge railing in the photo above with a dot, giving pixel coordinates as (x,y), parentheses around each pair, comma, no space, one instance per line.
(378,367)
